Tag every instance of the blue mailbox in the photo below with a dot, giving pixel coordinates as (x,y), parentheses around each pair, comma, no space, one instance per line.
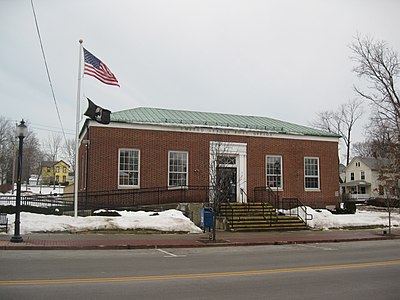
(207,218)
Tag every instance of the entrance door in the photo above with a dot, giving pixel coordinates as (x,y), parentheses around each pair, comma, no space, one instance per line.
(227,184)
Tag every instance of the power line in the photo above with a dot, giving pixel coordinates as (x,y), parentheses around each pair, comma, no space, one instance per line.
(47,71)
(50,130)
(46,127)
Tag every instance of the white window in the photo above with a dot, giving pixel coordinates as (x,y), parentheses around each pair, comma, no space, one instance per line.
(362,176)
(274,171)
(128,171)
(311,173)
(177,168)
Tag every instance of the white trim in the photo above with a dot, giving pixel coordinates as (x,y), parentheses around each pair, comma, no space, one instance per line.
(187,170)
(240,151)
(213,130)
(319,175)
(266,174)
(125,186)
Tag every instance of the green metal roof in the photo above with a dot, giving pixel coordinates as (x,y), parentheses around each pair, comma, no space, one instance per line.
(147,115)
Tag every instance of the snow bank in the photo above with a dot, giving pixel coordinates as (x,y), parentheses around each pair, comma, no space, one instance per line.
(174,221)
(324,219)
(167,221)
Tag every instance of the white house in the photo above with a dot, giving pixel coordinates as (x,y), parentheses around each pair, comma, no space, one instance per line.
(362,181)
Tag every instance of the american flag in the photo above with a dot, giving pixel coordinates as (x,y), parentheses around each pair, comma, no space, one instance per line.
(96,68)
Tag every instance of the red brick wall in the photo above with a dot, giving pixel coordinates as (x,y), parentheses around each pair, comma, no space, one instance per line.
(154,147)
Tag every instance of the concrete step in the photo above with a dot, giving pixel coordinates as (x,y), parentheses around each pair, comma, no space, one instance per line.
(267,228)
(265,222)
(248,213)
(259,229)
(258,217)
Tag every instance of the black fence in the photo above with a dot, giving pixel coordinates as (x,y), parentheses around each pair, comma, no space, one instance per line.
(45,201)
(113,199)
(141,197)
(41,204)
(265,194)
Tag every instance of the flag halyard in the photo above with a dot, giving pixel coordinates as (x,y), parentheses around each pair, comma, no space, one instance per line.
(96,68)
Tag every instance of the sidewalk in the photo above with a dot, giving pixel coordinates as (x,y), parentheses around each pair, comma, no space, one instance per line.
(91,241)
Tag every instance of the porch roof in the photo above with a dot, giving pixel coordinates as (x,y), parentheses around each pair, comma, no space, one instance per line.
(356,183)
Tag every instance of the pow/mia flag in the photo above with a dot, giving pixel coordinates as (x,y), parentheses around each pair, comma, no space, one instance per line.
(97,113)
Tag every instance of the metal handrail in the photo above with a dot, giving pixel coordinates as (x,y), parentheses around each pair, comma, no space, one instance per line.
(265,193)
(231,208)
(268,197)
(298,205)
(247,203)
(118,198)
(243,192)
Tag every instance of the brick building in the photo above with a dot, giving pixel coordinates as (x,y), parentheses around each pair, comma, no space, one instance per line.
(148,147)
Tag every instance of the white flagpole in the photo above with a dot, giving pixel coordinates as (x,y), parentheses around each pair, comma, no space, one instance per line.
(78,119)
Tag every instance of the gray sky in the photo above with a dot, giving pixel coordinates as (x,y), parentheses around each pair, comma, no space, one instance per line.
(284,59)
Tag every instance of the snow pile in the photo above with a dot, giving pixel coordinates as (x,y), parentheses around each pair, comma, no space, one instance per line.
(168,221)
(174,221)
(324,219)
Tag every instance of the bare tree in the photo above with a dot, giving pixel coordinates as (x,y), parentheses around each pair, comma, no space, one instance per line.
(68,152)
(52,147)
(341,121)
(362,149)
(7,150)
(380,139)
(32,156)
(221,180)
(389,177)
(380,66)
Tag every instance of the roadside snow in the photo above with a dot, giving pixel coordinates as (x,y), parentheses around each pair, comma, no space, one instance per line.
(175,221)
(167,221)
(324,219)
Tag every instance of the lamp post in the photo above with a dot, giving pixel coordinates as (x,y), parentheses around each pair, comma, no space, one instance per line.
(21,133)
(276,167)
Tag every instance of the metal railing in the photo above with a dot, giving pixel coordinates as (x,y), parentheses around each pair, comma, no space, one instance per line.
(116,198)
(150,196)
(288,206)
(43,201)
(267,197)
(265,194)
(294,207)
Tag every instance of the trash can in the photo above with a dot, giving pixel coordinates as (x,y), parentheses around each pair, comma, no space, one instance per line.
(207,218)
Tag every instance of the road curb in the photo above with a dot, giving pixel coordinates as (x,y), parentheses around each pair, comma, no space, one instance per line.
(195,244)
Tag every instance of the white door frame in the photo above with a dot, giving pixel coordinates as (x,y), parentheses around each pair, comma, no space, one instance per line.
(239,150)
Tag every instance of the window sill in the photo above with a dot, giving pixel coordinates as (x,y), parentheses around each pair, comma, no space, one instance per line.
(274,189)
(312,190)
(128,187)
(183,187)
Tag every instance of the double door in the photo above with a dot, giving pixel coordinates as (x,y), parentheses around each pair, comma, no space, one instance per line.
(227,183)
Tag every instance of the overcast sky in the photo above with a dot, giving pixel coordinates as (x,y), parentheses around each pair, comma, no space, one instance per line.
(284,59)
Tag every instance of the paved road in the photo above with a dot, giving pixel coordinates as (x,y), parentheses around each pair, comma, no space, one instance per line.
(354,270)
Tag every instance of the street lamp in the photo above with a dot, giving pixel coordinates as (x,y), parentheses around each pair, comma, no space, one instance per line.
(21,133)
(276,167)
